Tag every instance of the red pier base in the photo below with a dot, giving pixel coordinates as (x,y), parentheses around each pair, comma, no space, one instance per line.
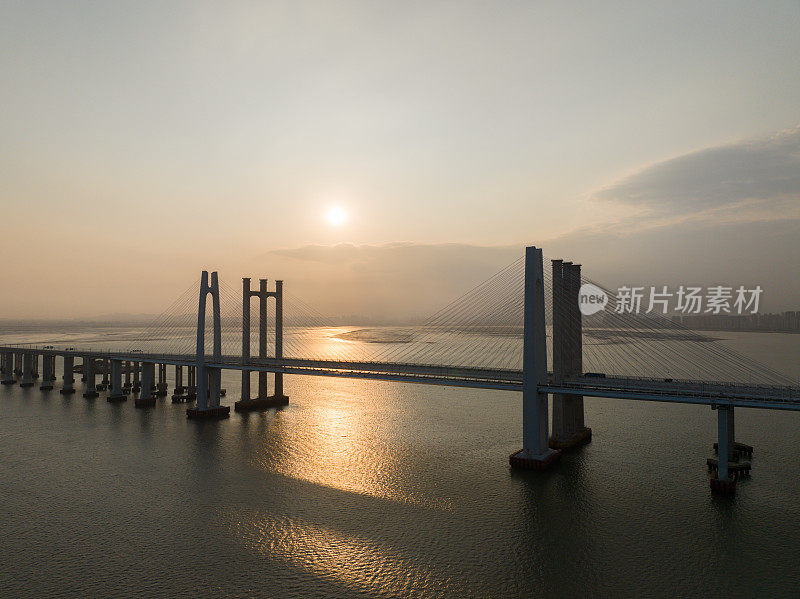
(521,463)
(723,487)
(208,413)
(145,402)
(251,405)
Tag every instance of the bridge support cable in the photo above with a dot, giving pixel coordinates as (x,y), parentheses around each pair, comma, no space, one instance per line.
(479,328)
(654,346)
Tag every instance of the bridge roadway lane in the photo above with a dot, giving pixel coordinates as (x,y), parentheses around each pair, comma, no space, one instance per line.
(680,391)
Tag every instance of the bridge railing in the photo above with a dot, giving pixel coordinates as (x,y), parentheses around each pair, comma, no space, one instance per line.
(707,388)
(665,386)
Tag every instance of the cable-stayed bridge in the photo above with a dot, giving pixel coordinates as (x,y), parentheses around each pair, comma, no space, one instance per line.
(520,330)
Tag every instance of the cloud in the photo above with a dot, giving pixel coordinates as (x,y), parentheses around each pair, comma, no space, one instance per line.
(724,215)
(407,281)
(751,180)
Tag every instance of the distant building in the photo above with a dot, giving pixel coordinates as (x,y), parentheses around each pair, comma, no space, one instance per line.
(785,322)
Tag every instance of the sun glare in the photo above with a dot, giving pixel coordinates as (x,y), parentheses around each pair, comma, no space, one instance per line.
(337,216)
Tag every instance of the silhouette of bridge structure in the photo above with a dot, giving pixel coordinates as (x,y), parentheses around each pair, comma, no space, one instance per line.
(520,330)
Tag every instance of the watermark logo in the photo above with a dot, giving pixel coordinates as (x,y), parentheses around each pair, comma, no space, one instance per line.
(685,300)
(591,299)
(689,300)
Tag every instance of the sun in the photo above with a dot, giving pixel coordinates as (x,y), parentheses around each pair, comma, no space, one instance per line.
(336,216)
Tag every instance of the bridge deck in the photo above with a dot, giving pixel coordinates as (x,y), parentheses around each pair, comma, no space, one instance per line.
(646,389)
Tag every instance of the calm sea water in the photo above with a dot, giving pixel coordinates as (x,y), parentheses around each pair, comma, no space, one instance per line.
(378,489)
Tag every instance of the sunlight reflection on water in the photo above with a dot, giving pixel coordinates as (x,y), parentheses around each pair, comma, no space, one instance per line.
(358,563)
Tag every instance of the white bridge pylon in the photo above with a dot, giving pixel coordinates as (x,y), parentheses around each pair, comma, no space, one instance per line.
(536,453)
(209,378)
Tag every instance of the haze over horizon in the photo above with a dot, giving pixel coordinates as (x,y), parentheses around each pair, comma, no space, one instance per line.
(384,158)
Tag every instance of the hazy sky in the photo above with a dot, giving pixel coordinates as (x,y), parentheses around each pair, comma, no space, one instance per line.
(141,142)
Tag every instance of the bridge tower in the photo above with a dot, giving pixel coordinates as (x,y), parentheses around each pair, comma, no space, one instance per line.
(262,401)
(569,429)
(535,453)
(209,378)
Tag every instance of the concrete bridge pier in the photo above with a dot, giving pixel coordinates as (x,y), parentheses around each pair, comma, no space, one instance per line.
(48,368)
(27,370)
(89,373)
(535,453)
(161,387)
(126,369)
(18,363)
(736,451)
(69,376)
(214,387)
(103,384)
(8,368)
(146,398)
(35,374)
(191,383)
(179,388)
(209,385)
(724,480)
(180,391)
(137,386)
(117,393)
